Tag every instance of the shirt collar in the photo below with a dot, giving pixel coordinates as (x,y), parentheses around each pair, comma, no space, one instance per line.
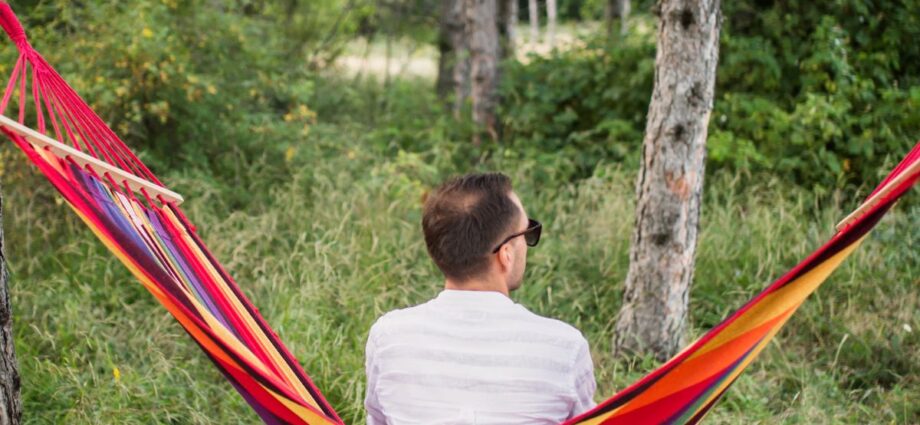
(474,297)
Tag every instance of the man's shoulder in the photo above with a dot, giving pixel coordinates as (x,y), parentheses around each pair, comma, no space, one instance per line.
(556,327)
(518,320)
(394,318)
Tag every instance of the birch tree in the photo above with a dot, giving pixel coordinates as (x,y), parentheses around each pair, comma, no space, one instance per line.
(507,20)
(453,84)
(551,22)
(616,9)
(485,51)
(670,182)
(534,11)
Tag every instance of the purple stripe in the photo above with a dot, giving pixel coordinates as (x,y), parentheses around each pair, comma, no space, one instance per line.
(191,277)
(125,234)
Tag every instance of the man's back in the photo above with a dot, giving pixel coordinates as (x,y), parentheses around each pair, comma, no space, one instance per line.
(475,357)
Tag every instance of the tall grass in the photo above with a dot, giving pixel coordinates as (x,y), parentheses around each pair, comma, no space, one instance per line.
(336,241)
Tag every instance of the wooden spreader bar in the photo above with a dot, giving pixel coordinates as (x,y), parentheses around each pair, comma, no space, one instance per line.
(42,141)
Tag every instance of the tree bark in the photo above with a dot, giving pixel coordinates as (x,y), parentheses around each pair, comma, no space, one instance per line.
(616,9)
(624,8)
(453,84)
(534,11)
(507,20)
(512,21)
(670,182)
(485,52)
(10,403)
(551,22)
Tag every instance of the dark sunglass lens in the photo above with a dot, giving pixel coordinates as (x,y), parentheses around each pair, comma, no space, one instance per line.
(532,237)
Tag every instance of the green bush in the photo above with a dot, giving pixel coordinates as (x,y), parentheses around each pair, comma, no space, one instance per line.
(824,93)
(587,104)
(192,82)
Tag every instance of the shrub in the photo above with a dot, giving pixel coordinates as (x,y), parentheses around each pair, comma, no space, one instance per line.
(825,94)
(182,92)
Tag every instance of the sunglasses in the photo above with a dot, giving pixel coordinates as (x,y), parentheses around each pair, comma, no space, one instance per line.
(531,235)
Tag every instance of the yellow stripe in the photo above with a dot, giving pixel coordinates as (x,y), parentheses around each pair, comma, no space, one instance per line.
(789,297)
(779,301)
(804,286)
(221,332)
(278,360)
(218,328)
(310,416)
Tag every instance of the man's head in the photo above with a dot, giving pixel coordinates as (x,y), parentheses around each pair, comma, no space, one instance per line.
(465,219)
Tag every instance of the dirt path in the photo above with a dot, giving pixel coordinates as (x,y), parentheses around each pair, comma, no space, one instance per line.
(409,59)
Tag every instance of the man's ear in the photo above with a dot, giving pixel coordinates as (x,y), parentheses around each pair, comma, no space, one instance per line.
(506,256)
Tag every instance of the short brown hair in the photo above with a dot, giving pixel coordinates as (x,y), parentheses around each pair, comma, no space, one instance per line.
(464,218)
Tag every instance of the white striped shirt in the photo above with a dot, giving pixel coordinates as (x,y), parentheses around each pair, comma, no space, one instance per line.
(475,357)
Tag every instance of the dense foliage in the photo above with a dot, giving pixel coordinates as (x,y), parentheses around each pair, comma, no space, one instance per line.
(167,82)
(825,94)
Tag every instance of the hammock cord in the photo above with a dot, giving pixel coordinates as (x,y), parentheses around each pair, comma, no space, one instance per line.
(66,110)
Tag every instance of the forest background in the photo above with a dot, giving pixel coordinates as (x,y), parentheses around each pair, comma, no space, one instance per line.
(304,135)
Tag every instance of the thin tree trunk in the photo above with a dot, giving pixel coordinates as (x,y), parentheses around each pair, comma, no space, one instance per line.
(507,19)
(512,21)
(389,57)
(364,58)
(534,11)
(484,54)
(10,404)
(670,182)
(624,8)
(551,22)
(616,9)
(453,85)
(609,13)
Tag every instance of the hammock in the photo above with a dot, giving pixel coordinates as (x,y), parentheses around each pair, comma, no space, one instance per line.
(140,221)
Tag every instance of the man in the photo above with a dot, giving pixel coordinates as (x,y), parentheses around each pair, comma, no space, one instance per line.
(471,355)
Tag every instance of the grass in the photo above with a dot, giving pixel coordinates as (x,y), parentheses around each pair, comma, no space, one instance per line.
(336,243)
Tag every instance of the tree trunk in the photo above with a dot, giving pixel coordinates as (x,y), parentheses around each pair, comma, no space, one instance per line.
(389,57)
(484,54)
(534,12)
(616,9)
(670,182)
(624,8)
(453,85)
(10,404)
(507,19)
(551,22)
(512,21)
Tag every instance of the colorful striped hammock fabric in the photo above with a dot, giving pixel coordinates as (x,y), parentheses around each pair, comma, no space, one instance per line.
(127,208)
(685,388)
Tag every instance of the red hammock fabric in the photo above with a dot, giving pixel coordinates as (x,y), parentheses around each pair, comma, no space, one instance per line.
(157,243)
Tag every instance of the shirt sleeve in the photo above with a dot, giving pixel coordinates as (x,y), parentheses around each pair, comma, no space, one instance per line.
(583,381)
(371,403)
